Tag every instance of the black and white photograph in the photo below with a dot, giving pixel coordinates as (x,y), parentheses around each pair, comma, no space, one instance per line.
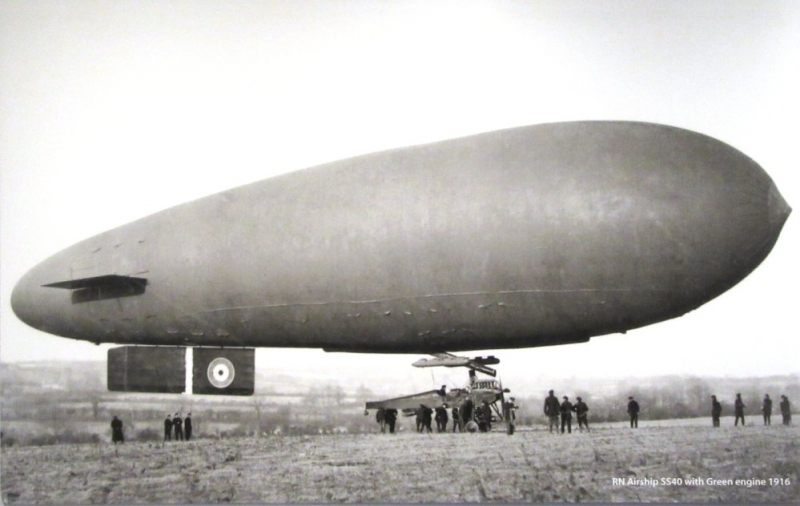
(373,252)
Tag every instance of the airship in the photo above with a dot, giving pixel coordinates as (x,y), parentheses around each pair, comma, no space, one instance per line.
(531,236)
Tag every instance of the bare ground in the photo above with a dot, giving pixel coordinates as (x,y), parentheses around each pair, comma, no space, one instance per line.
(530,466)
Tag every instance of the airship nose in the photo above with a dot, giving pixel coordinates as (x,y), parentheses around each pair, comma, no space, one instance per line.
(779,210)
(38,306)
(23,301)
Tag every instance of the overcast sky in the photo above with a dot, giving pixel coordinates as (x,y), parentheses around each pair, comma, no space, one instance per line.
(110,111)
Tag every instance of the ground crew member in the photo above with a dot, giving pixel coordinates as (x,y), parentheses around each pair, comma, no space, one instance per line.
(716,411)
(177,423)
(485,417)
(457,420)
(509,414)
(552,410)
(467,408)
(380,417)
(581,409)
(391,418)
(441,418)
(566,410)
(738,410)
(633,411)
(187,426)
(168,429)
(766,408)
(427,419)
(786,410)
(116,431)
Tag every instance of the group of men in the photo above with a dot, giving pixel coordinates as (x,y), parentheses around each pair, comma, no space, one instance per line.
(466,418)
(181,428)
(554,410)
(739,407)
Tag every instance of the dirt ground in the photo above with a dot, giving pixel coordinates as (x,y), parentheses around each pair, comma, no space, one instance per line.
(664,463)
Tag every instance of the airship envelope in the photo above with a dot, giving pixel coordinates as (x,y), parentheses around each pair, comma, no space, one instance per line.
(531,236)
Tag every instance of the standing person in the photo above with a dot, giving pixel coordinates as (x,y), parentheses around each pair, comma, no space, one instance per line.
(582,409)
(467,409)
(419,418)
(187,426)
(441,418)
(168,428)
(738,410)
(716,411)
(786,411)
(391,418)
(484,415)
(177,423)
(510,415)
(551,410)
(480,419)
(456,420)
(566,410)
(380,417)
(633,411)
(116,431)
(427,419)
(766,409)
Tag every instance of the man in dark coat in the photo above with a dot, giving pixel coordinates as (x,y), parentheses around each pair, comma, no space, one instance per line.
(786,411)
(177,423)
(380,417)
(716,411)
(738,410)
(484,415)
(427,418)
(633,411)
(582,409)
(187,426)
(168,429)
(566,410)
(551,410)
(766,409)
(441,418)
(391,418)
(467,411)
(457,420)
(116,431)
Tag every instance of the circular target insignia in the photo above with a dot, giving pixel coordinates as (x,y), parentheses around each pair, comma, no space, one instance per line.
(221,372)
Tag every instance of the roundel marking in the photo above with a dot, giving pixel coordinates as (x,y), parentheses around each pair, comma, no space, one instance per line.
(221,372)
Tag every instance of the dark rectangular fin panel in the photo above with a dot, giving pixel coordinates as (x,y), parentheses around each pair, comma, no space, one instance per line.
(111,286)
(147,369)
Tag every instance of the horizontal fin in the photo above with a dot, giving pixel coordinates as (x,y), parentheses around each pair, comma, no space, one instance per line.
(108,280)
(110,286)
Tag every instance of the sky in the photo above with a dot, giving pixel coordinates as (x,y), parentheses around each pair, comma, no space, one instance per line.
(111,111)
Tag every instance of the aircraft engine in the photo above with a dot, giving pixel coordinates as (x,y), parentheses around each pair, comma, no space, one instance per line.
(154,369)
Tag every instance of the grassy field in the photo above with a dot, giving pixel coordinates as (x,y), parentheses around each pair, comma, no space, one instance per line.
(530,466)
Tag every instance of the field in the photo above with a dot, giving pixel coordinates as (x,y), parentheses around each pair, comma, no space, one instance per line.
(655,463)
